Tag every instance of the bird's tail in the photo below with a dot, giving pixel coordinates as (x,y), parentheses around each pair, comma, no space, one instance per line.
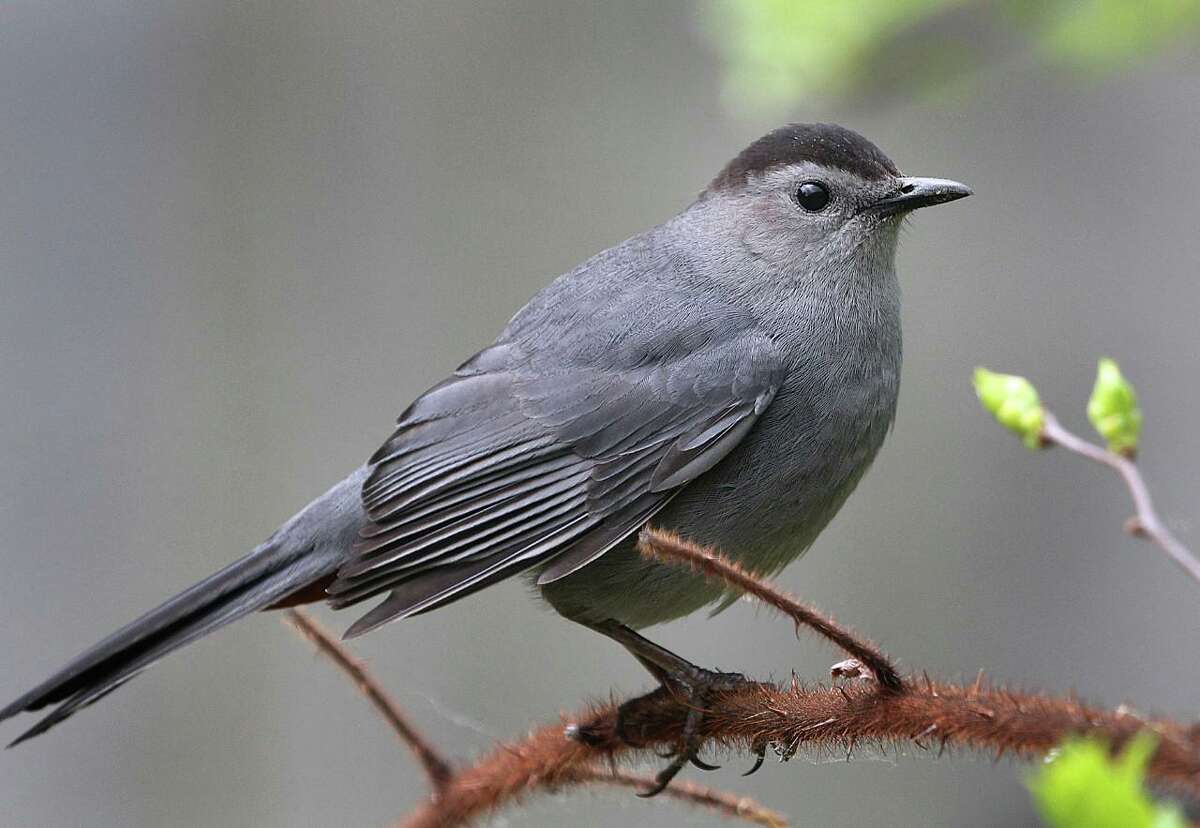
(302,553)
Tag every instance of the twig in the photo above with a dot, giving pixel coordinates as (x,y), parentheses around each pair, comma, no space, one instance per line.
(712,565)
(1146,522)
(723,802)
(436,768)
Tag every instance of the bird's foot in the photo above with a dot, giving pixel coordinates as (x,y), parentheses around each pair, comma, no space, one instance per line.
(681,680)
(695,688)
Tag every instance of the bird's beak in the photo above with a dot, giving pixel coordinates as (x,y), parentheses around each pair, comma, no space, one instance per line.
(913,193)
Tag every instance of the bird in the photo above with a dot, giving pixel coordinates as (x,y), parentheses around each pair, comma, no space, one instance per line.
(728,375)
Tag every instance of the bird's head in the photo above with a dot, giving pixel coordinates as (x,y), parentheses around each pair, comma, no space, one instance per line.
(818,195)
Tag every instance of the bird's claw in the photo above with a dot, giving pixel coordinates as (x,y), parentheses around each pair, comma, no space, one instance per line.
(692,686)
(662,779)
(760,754)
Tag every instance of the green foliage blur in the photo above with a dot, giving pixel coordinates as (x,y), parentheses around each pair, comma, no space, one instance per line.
(1081,786)
(781,52)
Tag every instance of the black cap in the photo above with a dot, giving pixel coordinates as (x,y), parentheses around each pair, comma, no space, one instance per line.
(828,145)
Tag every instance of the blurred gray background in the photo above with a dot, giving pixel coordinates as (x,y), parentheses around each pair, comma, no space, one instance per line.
(237,238)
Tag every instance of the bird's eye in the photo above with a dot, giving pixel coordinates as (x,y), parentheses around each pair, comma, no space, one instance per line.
(812,196)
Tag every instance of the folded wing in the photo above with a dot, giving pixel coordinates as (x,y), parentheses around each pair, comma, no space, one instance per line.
(515,463)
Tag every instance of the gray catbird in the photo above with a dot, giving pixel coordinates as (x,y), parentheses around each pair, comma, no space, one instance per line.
(728,375)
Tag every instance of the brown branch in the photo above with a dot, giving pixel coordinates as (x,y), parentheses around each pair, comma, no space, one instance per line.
(864,713)
(1146,522)
(925,713)
(670,548)
(547,761)
(442,774)
(436,768)
(878,710)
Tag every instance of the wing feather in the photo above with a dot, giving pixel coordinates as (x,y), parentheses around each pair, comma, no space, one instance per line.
(518,462)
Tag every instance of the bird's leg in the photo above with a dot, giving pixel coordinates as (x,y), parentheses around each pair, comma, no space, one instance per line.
(680,677)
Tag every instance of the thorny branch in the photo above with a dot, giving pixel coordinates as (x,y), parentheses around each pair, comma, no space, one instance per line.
(878,709)
(1145,523)
(670,548)
(442,774)
(436,768)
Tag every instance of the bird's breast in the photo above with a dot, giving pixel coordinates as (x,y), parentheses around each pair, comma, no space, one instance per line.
(768,501)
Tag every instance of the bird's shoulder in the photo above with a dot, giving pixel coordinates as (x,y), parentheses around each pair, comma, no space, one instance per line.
(640,303)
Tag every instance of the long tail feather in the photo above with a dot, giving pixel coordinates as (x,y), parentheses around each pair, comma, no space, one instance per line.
(304,552)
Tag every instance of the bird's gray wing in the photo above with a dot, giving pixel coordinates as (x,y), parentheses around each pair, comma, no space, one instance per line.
(519,461)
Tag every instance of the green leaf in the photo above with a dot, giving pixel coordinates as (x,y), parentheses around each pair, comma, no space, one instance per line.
(1081,786)
(1113,409)
(1014,402)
